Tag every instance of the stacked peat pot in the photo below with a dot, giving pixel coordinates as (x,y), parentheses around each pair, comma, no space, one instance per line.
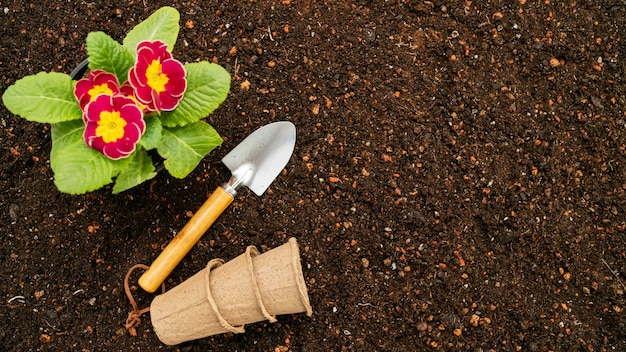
(224,297)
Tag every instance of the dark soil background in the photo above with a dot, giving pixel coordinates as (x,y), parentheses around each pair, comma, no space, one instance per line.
(458,182)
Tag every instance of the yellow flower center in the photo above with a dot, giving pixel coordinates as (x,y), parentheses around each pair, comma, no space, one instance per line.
(110,126)
(156,79)
(99,89)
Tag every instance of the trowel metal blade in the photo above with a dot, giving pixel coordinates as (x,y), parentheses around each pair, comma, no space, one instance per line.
(261,156)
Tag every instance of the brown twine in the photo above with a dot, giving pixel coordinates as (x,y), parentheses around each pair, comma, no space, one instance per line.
(134,317)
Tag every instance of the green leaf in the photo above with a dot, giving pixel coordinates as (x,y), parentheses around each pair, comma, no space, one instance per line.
(44,97)
(108,55)
(161,25)
(138,170)
(184,147)
(152,135)
(207,87)
(78,168)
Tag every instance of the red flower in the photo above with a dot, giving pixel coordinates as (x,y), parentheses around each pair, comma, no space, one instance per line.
(98,82)
(114,125)
(158,79)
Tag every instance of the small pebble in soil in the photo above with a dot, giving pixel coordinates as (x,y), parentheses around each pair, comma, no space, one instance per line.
(370,35)
(474,320)
(554,62)
(13,210)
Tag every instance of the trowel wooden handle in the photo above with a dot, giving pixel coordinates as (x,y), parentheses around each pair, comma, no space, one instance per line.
(185,240)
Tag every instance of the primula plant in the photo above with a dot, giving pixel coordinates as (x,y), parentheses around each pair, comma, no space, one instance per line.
(136,98)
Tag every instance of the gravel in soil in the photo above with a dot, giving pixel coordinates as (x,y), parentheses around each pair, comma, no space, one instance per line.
(458,181)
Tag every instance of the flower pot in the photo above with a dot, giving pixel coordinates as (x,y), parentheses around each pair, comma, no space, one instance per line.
(224,297)
(79,71)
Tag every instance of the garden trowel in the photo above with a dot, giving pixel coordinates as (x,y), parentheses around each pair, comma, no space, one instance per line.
(254,163)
